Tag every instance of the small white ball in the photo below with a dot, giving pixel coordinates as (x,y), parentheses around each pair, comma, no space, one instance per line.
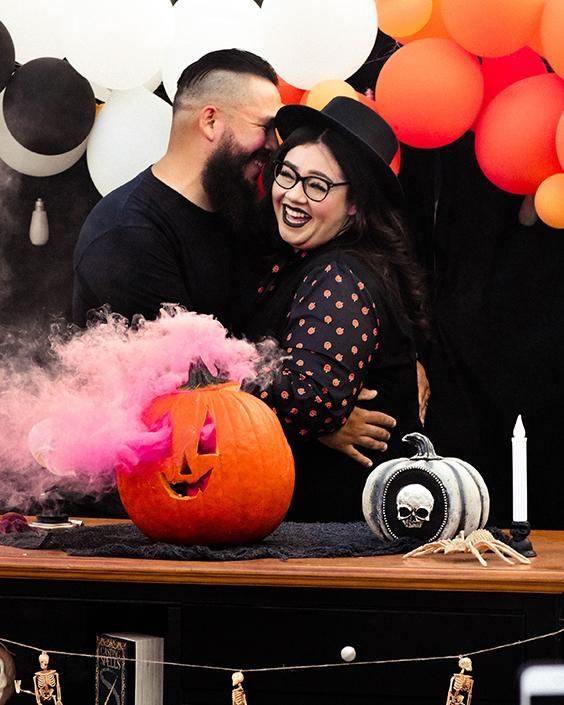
(348,653)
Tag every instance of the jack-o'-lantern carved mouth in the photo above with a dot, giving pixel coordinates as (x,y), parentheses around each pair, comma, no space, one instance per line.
(187,490)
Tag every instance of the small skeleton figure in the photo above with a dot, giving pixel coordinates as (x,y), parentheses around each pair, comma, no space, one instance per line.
(46,685)
(461,684)
(476,543)
(238,696)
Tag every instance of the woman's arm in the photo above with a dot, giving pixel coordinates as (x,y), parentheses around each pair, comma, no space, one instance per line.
(331,336)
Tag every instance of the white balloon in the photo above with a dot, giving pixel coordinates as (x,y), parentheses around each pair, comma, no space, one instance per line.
(100,93)
(41,441)
(34,26)
(154,82)
(202,26)
(117,44)
(21,159)
(308,41)
(130,133)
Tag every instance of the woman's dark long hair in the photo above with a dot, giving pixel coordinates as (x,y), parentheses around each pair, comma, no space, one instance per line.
(377,229)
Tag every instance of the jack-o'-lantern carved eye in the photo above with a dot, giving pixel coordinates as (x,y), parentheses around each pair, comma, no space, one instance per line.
(207,441)
(207,444)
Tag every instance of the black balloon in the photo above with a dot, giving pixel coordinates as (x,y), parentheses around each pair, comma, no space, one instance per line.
(7,56)
(49,107)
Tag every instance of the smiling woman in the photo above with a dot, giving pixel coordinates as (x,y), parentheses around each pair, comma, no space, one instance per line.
(344,299)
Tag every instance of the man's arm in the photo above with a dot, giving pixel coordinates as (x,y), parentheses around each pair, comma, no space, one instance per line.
(369,429)
(329,345)
(365,428)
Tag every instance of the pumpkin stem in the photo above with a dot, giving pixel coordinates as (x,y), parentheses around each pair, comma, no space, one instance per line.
(422,444)
(200,376)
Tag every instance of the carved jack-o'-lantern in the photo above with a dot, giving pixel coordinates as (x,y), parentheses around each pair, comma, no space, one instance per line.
(426,496)
(229,477)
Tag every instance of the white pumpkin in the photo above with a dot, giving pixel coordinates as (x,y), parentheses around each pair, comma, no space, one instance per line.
(426,496)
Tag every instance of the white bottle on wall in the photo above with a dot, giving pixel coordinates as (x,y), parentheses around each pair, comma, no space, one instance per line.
(39,226)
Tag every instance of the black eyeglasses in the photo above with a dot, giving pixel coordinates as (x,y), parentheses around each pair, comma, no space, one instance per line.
(316,188)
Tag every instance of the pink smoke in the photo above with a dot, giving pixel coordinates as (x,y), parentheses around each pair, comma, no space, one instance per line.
(84,409)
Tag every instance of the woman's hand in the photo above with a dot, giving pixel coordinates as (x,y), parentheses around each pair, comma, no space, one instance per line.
(363,428)
(424,392)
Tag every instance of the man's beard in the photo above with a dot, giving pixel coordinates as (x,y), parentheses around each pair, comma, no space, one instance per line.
(229,192)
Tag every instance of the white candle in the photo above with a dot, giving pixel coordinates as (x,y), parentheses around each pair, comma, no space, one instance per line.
(519,447)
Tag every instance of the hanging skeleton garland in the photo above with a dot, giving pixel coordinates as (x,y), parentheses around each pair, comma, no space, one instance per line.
(461,684)
(46,685)
(238,696)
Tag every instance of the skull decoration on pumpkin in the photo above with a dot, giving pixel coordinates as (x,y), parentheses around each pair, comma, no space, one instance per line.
(415,504)
(229,476)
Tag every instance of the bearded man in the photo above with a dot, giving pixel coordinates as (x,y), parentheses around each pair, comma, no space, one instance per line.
(169,235)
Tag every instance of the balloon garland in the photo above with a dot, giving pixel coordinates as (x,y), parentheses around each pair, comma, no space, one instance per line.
(458,65)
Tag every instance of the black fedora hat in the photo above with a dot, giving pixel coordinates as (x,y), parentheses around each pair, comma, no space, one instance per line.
(356,121)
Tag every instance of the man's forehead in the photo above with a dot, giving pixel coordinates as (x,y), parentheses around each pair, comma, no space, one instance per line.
(263,95)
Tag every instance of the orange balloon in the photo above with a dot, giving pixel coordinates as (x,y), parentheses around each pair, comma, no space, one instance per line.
(505,70)
(535,40)
(552,34)
(323,92)
(549,201)
(403,18)
(430,91)
(515,136)
(560,140)
(491,27)
(288,93)
(434,27)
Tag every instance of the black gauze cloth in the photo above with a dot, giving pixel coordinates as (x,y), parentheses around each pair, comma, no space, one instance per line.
(290,540)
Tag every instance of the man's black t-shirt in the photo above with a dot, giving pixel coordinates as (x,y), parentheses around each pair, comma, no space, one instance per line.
(145,244)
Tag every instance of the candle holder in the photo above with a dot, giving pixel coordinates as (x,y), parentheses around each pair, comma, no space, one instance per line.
(51,514)
(519,539)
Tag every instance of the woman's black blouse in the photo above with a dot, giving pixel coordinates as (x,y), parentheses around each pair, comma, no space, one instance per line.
(326,309)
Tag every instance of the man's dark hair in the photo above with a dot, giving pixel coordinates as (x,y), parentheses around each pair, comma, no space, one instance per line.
(235,61)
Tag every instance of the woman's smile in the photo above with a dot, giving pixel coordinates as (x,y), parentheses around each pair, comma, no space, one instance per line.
(294,217)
